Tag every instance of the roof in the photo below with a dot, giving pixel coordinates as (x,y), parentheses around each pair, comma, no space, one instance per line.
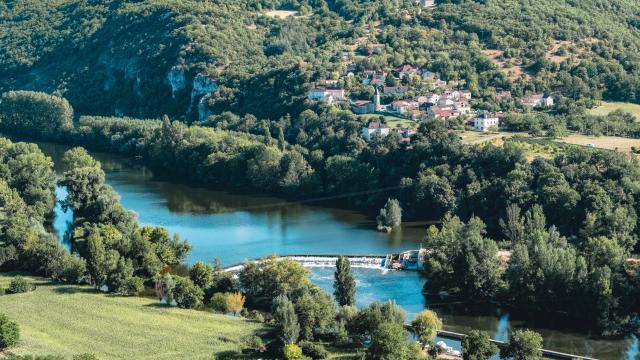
(487,116)
(377,125)
(405,68)
(362,102)
(535,96)
(441,112)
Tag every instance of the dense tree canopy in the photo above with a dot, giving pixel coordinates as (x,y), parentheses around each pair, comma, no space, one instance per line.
(149,58)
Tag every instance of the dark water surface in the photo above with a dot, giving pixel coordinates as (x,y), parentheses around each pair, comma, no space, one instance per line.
(238,227)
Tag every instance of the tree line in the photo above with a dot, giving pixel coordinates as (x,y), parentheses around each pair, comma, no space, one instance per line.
(588,197)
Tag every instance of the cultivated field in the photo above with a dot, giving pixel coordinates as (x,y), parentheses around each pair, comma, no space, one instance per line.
(392,121)
(475,137)
(607,107)
(67,320)
(602,142)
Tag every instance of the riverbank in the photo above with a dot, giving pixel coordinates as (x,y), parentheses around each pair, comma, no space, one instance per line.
(238,227)
(68,320)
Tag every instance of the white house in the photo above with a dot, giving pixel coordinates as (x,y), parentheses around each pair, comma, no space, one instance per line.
(485,122)
(446,100)
(426,3)
(375,128)
(326,95)
(536,100)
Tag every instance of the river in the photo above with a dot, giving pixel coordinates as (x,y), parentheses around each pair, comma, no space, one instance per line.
(237,227)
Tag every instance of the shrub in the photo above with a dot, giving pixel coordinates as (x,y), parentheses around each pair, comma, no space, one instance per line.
(219,302)
(255,316)
(313,350)
(133,286)
(254,343)
(292,352)
(19,285)
(9,332)
(234,302)
(74,270)
(186,294)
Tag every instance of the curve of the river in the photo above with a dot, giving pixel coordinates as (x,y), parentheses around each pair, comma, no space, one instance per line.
(238,227)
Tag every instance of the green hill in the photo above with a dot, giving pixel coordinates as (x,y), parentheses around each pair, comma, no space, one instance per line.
(154,57)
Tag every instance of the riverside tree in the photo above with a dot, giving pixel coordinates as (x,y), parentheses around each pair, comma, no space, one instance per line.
(390,215)
(523,345)
(426,326)
(478,346)
(344,284)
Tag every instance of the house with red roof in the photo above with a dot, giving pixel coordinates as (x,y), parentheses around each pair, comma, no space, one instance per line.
(363,107)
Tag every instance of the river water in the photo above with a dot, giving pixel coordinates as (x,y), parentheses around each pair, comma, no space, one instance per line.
(237,227)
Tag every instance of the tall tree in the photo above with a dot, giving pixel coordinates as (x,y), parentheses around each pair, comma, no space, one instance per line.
(344,284)
(284,314)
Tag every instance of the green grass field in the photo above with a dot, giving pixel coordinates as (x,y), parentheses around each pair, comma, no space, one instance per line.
(392,121)
(607,107)
(67,319)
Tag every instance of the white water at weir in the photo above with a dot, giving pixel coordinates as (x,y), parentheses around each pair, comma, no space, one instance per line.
(368,262)
(322,261)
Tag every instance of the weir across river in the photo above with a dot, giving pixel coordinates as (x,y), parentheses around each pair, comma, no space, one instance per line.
(406,260)
(325,260)
(384,262)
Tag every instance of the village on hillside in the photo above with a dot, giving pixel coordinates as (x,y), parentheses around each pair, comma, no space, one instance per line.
(411,95)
